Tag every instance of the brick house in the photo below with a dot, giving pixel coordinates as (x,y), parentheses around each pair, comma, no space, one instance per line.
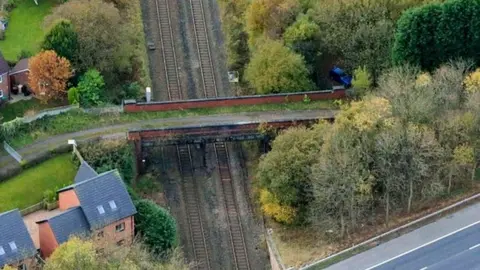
(96,204)
(19,73)
(4,80)
(16,245)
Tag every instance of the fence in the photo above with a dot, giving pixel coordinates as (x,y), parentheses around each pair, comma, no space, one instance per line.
(133,106)
(12,152)
(53,111)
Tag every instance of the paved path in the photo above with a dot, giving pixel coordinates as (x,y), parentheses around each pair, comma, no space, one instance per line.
(444,244)
(119,130)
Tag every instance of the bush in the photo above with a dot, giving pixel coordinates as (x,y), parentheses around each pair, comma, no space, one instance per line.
(131,90)
(50,196)
(156,226)
(362,81)
(109,155)
(272,208)
(91,88)
(73,96)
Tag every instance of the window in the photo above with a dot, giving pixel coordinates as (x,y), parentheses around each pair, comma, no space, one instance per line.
(113,205)
(13,246)
(100,210)
(2,251)
(100,234)
(1,93)
(120,227)
(120,243)
(22,266)
(1,78)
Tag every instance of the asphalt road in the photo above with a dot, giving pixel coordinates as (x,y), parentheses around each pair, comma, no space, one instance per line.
(448,243)
(459,250)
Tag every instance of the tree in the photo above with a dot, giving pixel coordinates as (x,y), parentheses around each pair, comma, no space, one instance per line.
(472,82)
(91,88)
(464,157)
(48,75)
(73,254)
(156,226)
(270,17)
(275,69)
(436,33)
(361,80)
(85,254)
(103,37)
(63,39)
(284,172)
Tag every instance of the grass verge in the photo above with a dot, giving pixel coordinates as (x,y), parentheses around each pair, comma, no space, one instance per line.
(20,108)
(27,188)
(73,121)
(25,31)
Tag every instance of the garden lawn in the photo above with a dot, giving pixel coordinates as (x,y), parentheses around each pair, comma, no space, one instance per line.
(27,188)
(25,30)
(19,108)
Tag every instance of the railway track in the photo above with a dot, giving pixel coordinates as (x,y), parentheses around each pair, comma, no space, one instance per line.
(168,50)
(203,49)
(192,205)
(236,231)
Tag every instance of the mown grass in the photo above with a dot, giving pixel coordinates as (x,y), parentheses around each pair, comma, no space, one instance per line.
(19,108)
(76,120)
(25,31)
(27,188)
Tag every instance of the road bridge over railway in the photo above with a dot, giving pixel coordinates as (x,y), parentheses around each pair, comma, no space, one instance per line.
(228,129)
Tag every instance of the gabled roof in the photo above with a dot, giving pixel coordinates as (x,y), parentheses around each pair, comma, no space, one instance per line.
(13,232)
(22,65)
(69,223)
(106,191)
(85,172)
(3,65)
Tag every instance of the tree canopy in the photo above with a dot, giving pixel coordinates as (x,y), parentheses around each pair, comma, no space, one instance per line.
(276,69)
(62,39)
(48,75)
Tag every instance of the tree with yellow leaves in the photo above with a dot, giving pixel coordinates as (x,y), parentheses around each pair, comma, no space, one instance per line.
(48,75)
(472,82)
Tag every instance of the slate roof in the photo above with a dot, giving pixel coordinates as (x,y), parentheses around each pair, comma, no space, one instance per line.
(100,191)
(85,172)
(69,223)
(3,65)
(21,65)
(12,229)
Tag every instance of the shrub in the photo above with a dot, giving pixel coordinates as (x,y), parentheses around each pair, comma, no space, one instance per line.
(91,88)
(156,226)
(472,82)
(50,196)
(73,96)
(362,81)
(272,208)
(131,90)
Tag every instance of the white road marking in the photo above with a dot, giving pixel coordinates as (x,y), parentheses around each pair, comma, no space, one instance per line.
(424,245)
(424,268)
(477,245)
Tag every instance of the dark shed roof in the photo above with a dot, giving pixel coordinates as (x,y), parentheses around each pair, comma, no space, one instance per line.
(21,65)
(69,223)
(14,234)
(104,199)
(85,172)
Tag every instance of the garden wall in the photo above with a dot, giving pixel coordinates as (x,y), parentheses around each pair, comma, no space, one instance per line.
(133,106)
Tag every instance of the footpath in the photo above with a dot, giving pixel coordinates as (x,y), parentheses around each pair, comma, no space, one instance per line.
(31,151)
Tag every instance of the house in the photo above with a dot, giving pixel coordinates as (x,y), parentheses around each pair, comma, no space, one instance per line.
(96,204)
(16,245)
(4,80)
(19,73)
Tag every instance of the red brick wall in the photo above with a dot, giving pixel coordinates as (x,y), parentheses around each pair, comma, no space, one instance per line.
(111,236)
(5,85)
(67,199)
(233,101)
(48,242)
(20,78)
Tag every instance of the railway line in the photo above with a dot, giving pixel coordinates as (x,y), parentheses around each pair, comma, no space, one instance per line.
(168,50)
(235,225)
(192,207)
(203,49)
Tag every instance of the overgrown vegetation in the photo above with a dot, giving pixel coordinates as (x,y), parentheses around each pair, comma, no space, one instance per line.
(411,143)
(79,253)
(109,155)
(322,33)
(55,173)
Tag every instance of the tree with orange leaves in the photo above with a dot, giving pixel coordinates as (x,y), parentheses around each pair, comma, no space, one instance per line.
(48,75)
